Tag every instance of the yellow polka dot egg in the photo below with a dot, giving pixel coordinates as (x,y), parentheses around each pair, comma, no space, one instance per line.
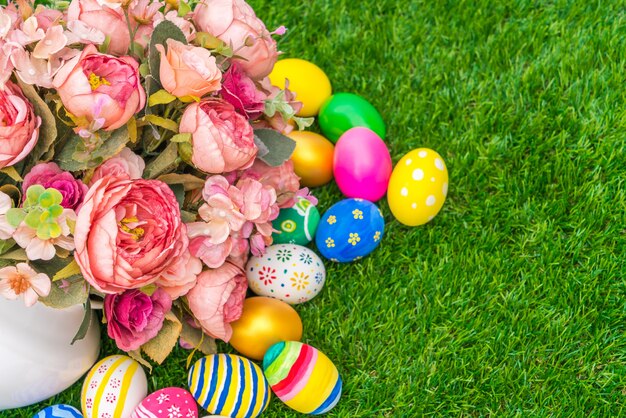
(418,187)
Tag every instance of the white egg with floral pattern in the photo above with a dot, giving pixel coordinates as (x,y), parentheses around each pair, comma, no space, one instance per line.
(288,272)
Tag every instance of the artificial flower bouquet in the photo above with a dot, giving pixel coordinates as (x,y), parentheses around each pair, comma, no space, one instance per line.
(143,156)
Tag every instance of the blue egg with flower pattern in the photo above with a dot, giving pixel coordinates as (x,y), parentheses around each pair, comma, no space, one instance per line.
(350,230)
(59,411)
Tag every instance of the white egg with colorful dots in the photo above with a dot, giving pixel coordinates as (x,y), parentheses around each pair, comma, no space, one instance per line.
(288,272)
(418,187)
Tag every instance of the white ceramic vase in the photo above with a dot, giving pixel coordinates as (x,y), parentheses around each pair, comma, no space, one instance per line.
(37,360)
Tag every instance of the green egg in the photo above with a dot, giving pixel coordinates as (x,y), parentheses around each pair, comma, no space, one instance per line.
(343,111)
(297,225)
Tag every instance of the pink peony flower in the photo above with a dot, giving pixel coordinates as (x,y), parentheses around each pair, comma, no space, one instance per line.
(100,86)
(128,233)
(281,178)
(234,22)
(50,175)
(134,318)
(125,164)
(181,275)
(188,70)
(109,21)
(217,299)
(19,125)
(222,139)
(240,91)
(22,281)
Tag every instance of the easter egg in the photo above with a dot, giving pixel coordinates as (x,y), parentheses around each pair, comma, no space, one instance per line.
(264,322)
(312,158)
(302,377)
(166,403)
(418,187)
(307,80)
(297,224)
(229,385)
(350,230)
(343,111)
(362,164)
(59,411)
(113,388)
(288,272)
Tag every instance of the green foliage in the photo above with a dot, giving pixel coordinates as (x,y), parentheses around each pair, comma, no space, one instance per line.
(75,157)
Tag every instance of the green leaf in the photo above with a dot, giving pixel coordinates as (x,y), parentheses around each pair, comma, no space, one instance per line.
(160,97)
(110,147)
(162,32)
(198,339)
(66,293)
(166,162)
(6,245)
(15,216)
(183,8)
(162,345)
(168,124)
(51,267)
(84,326)
(136,355)
(206,40)
(48,128)
(279,146)
(186,137)
(13,192)
(104,48)
(15,255)
(12,172)
(189,181)
(179,192)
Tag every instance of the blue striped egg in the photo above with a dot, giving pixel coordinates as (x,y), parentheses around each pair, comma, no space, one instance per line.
(59,411)
(230,385)
(350,230)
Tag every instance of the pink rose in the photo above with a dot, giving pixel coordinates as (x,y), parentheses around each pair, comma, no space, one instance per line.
(240,91)
(281,178)
(128,233)
(50,175)
(222,139)
(99,86)
(134,318)
(125,164)
(188,70)
(181,275)
(19,125)
(234,22)
(217,299)
(109,21)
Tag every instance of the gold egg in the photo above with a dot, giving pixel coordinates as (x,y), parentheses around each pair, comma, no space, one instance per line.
(312,158)
(264,322)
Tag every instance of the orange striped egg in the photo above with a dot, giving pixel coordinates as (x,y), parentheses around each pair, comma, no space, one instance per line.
(113,388)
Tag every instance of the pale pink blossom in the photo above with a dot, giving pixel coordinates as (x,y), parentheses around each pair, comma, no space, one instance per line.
(188,70)
(51,43)
(22,281)
(47,17)
(282,179)
(259,201)
(6,230)
(28,33)
(5,23)
(80,32)
(180,276)
(213,255)
(40,249)
(125,164)
(144,12)
(6,65)
(217,299)
(109,21)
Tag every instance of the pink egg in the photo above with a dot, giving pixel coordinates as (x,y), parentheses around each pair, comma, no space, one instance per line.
(167,403)
(362,164)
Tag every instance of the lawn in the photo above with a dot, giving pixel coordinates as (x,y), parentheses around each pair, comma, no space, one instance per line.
(512,301)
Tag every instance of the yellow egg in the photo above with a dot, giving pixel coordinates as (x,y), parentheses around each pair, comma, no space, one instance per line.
(264,322)
(307,80)
(312,158)
(418,187)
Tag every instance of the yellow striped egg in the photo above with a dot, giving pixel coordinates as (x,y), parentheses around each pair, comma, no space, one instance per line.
(230,385)
(113,388)
(302,377)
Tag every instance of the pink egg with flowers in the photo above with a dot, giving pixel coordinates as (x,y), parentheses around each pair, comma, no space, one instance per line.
(167,403)
(362,164)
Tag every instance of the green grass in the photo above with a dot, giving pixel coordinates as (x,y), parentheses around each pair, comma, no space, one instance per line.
(512,301)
